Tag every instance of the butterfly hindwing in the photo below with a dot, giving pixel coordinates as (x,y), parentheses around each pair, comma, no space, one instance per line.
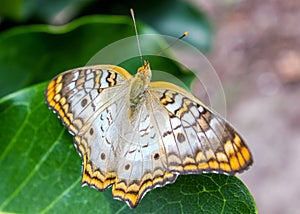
(139,167)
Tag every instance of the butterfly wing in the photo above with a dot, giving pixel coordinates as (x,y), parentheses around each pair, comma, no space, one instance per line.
(194,138)
(88,100)
(73,94)
(92,104)
(140,168)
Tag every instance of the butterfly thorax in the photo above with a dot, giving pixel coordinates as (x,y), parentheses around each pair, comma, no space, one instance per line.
(138,87)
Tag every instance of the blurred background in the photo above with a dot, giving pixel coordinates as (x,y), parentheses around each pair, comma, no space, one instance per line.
(255,50)
(254,47)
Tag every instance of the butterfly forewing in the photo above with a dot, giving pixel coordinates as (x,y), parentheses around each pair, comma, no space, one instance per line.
(74,93)
(194,138)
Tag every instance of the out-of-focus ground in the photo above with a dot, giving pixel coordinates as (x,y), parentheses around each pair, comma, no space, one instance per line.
(257,56)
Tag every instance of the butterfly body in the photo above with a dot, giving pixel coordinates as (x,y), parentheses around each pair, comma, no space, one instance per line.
(136,135)
(139,85)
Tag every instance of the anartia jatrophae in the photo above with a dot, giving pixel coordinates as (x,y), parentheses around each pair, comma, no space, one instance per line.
(136,135)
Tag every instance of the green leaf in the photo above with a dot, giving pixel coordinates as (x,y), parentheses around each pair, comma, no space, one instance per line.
(32,54)
(36,53)
(41,171)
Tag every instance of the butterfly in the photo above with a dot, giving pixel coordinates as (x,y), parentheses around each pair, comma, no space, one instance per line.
(136,135)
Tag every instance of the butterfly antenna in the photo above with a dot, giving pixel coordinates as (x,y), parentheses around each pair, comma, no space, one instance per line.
(174,42)
(136,34)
